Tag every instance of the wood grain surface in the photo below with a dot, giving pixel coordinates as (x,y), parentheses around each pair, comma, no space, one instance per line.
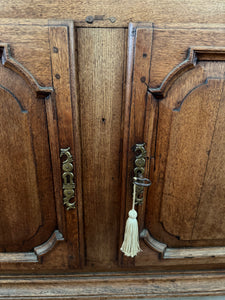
(190,140)
(190,146)
(62,78)
(101,75)
(99,49)
(165,11)
(138,65)
(101,60)
(26,166)
(113,286)
(179,127)
(39,124)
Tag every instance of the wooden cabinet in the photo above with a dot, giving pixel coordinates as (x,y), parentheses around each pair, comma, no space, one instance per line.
(75,98)
(37,87)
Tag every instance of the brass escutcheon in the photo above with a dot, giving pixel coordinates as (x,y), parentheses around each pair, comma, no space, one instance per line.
(68,179)
(139,170)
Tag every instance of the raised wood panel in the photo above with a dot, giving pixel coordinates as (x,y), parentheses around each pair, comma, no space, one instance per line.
(209,222)
(101,75)
(16,139)
(26,201)
(191,132)
(184,134)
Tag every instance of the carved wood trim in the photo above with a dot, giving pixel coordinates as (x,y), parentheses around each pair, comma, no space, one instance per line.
(49,245)
(153,243)
(32,257)
(181,253)
(194,54)
(9,62)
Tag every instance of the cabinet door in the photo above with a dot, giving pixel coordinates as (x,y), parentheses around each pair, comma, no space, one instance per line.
(175,104)
(36,97)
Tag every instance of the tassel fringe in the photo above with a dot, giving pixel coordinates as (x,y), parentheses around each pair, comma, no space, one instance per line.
(130,246)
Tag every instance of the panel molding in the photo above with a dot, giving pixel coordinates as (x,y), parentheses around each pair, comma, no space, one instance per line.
(181,253)
(194,55)
(49,244)
(18,257)
(9,62)
(14,96)
(34,256)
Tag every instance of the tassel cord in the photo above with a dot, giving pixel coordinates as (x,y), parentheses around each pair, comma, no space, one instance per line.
(134,194)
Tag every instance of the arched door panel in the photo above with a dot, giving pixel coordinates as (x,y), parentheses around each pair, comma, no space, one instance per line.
(175,106)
